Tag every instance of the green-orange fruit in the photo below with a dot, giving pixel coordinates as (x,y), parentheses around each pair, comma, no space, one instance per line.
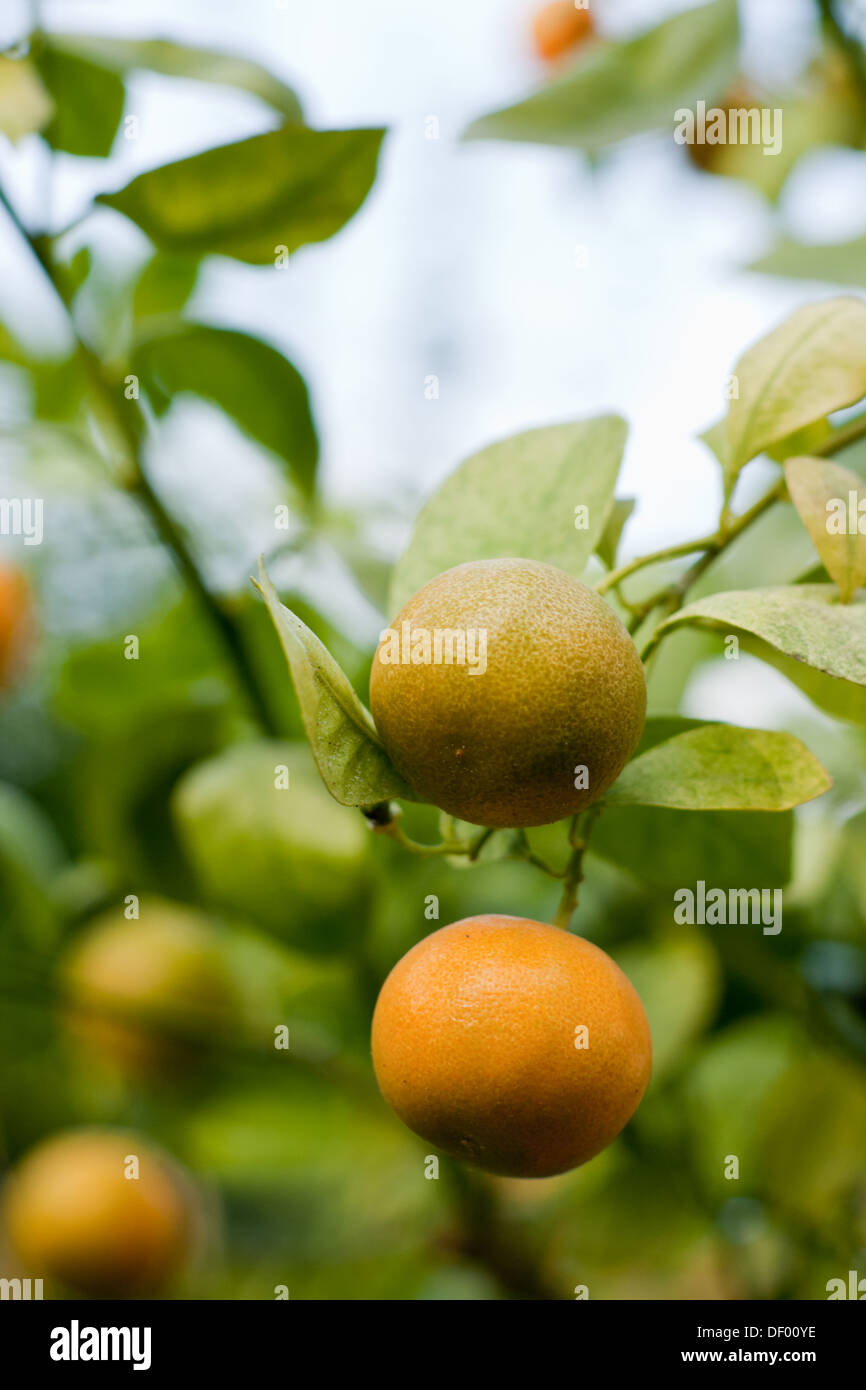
(512,1045)
(540,716)
(16,623)
(100,1211)
(146,996)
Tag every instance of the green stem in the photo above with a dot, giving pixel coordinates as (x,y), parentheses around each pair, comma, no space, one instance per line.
(130,424)
(574,869)
(670,552)
(842,438)
(394,831)
(729,530)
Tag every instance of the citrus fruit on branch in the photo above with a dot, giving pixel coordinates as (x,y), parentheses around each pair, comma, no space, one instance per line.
(511,1045)
(535,704)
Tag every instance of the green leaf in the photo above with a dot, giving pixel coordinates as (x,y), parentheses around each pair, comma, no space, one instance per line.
(608,545)
(841,698)
(164,285)
(349,755)
(250,381)
(180,60)
(822,492)
(670,847)
(79,267)
(88,101)
(716,440)
(805,621)
(122,790)
(721,767)
(673,848)
(619,89)
(811,365)
(801,441)
(25,105)
(285,188)
(836,263)
(101,696)
(31,856)
(677,978)
(517,499)
(726,1092)
(818,1112)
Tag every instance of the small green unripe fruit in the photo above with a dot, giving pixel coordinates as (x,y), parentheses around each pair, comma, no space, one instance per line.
(269,843)
(538,718)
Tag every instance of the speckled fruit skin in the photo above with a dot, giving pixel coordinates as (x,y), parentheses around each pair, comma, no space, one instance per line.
(564,687)
(71,1215)
(474,1045)
(559,27)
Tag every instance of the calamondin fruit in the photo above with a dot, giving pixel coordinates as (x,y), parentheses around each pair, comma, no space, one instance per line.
(512,1045)
(508,693)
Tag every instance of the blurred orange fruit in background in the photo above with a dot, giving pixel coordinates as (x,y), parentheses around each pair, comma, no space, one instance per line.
(559,27)
(100,1211)
(16,623)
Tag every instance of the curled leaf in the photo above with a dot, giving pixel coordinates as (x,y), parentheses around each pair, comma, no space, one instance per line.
(350,757)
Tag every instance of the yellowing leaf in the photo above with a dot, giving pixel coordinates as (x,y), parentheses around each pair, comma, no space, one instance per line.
(804,621)
(811,365)
(721,767)
(25,106)
(831,501)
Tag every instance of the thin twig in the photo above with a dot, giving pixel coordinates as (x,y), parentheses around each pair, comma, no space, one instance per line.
(130,423)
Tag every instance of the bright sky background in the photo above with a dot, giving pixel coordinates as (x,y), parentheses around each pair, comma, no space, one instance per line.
(462,263)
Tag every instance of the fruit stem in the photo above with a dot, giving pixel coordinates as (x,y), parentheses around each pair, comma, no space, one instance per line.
(522,850)
(670,552)
(579,835)
(394,831)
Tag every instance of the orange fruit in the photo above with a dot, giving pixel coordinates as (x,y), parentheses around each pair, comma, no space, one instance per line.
(512,1045)
(74,1212)
(559,27)
(147,996)
(539,718)
(16,622)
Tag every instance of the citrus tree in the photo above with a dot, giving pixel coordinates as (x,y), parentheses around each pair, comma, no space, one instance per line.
(596,938)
